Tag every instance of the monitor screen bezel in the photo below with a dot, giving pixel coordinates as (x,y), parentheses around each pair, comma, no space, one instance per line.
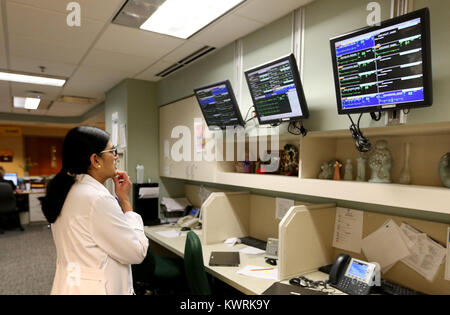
(233,101)
(298,86)
(424,15)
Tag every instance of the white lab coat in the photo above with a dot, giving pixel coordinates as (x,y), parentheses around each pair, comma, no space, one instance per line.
(96,242)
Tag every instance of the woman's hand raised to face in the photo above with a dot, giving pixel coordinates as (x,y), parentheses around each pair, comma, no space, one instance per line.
(122,188)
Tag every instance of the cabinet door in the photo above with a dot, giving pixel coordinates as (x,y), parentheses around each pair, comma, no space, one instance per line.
(182,114)
(36,214)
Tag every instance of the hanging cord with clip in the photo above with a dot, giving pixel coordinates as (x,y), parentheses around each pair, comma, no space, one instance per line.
(362,143)
(246,116)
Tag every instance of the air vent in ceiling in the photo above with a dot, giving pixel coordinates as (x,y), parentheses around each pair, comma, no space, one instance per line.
(185,61)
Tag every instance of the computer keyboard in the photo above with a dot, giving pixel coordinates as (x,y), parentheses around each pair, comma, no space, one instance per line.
(395,289)
(253,242)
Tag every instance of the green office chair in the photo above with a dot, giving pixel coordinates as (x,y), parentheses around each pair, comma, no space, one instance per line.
(158,274)
(193,266)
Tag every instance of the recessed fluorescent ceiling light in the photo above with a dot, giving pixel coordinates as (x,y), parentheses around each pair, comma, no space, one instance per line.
(183,18)
(32,79)
(26,102)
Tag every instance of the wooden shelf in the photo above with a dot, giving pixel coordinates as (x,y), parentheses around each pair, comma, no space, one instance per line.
(423,198)
(428,144)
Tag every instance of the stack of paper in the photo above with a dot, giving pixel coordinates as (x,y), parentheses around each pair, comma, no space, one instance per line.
(178,204)
(148,192)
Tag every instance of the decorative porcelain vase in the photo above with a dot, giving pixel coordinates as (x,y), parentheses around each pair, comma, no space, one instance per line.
(444,170)
(348,175)
(361,176)
(405,175)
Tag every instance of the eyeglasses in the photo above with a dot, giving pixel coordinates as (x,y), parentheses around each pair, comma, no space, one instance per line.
(113,151)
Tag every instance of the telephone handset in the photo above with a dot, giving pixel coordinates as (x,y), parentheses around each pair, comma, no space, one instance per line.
(353,276)
(188,222)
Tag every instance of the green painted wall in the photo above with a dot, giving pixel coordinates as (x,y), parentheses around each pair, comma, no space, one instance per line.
(136,103)
(324,20)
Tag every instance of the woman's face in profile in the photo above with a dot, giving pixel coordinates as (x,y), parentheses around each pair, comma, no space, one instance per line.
(109,160)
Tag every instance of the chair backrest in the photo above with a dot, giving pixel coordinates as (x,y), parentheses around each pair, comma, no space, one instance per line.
(7,198)
(193,266)
(145,271)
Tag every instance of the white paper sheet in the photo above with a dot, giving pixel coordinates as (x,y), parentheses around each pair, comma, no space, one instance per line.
(260,272)
(283,206)
(170,233)
(115,128)
(252,251)
(447,264)
(232,241)
(348,230)
(385,246)
(148,192)
(426,255)
(123,136)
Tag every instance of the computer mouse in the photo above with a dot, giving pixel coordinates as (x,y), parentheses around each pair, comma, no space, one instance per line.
(183,229)
(271,261)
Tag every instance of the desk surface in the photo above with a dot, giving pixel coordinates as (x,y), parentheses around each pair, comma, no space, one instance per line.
(245,284)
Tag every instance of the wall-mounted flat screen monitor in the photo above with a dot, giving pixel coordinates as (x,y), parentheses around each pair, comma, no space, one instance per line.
(219,106)
(12,177)
(277,91)
(386,67)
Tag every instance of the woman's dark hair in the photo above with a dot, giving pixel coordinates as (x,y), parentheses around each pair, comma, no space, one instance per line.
(79,144)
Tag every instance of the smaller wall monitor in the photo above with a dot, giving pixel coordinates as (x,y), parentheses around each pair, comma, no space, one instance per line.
(12,177)
(219,106)
(277,91)
(386,67)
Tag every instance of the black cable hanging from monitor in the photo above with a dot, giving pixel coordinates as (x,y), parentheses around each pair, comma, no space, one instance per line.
(297,128)
(362,143)
(375,117)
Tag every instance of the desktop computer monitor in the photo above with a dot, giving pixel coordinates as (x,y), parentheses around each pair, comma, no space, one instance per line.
(12,177)
(219,106)
(277,91)
(386,67)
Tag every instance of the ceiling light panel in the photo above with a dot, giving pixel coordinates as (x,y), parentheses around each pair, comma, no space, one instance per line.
(31,79)
(182,19)
(178,18)
(26,102)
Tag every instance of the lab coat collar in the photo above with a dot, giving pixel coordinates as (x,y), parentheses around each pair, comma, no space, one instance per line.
(89,180)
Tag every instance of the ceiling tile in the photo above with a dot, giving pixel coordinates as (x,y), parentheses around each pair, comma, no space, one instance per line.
(137,42)
(68,110)
(150,73)
(230,27)
(5,104)
(183,51)
(99,10)
(3,62)
(50,26)
(37,112)
(28,47)
(129,64)
(92,82)
(267,11)
(31,65)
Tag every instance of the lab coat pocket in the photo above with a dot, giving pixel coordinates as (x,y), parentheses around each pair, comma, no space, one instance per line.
(89,282)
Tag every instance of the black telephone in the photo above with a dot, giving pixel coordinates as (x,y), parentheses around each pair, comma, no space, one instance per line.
(353,276)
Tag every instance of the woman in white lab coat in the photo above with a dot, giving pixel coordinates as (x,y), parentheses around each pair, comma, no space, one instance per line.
(97,236)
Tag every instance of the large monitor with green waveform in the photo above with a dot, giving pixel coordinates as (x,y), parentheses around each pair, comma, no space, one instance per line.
(385,67)
(277,91)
